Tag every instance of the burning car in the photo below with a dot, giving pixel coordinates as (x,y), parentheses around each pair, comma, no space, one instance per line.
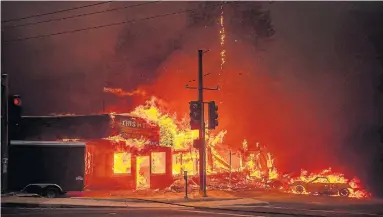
(321,186)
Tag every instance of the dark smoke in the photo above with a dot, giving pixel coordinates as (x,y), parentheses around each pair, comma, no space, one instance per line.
(304,82)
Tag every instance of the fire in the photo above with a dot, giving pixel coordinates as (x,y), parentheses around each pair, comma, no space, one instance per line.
(120,92)
(255,161)
(222,38)
(138,143)
(356,191)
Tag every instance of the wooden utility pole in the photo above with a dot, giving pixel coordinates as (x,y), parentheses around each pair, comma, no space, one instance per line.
(202,150)
(4,132)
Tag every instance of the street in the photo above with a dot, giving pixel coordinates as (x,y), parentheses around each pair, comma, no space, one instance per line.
(131,212)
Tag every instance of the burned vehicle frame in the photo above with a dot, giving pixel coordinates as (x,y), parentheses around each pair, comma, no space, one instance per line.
(321,186)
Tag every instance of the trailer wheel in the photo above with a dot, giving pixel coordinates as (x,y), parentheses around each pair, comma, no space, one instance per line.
(51,192)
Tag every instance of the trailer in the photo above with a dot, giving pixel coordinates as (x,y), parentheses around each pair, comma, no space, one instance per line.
(47,168)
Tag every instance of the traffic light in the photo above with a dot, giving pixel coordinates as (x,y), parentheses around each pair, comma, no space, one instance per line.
(197,143)
(14,116)
(14,109)
(213,115)
(195,115)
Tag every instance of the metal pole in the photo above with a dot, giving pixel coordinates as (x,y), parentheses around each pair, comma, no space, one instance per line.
(202,152)
(230,169)
(186,184)
(4,132)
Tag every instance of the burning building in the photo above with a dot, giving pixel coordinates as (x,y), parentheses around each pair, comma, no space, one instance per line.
(123,151)
(148,148)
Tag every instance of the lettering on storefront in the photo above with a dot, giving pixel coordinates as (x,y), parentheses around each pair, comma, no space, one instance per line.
(133,124)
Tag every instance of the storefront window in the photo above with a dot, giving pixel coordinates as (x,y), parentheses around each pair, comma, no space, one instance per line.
(158,162)
(122,163)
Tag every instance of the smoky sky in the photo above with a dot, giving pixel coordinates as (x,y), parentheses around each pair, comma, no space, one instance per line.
(308,88)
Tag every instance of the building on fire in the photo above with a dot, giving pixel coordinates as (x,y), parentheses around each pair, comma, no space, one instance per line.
(122,151)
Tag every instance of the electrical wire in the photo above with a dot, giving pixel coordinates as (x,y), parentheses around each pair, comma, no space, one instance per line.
(55,12)
(79,15)
(109,25)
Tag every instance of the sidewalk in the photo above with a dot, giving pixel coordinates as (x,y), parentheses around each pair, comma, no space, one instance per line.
(215,200)
(215,197)
(19,201)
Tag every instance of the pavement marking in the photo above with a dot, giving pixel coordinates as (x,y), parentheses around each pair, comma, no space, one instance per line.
(218,213)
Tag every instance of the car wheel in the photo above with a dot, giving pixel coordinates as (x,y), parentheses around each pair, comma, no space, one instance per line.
(51,193)
(344,192)
(299,189)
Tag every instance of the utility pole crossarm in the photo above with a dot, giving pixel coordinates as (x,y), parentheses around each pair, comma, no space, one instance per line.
(216,88)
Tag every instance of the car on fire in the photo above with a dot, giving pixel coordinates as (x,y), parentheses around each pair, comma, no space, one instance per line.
(321,186)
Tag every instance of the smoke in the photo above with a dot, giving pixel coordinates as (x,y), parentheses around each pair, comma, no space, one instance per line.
(307,91)
(67,73)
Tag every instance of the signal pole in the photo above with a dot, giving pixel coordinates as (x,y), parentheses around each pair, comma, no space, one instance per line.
(202,150)
(4,132)
(202,142)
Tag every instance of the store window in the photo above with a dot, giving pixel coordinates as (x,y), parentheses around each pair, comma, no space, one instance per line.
(158,162)
(122,163)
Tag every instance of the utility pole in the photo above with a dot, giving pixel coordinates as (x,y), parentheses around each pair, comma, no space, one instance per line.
(202,150)
(201,122)
(4,132)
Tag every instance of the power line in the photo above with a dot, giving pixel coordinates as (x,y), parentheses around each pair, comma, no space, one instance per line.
(79,15)
(109,25)
(55,12)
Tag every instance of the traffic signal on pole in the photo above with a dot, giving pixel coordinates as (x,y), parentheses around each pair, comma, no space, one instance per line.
(213,115)
(195,115)
(14,116)
(14,109)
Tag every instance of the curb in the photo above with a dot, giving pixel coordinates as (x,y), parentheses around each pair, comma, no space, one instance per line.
(232,209)
(36,205)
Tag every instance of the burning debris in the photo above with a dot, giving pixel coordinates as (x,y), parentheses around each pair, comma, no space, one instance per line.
(257,169)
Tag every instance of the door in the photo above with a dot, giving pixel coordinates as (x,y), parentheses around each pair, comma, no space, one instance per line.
(143,172)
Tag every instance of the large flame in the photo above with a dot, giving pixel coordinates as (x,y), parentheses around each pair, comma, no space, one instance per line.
(259,164)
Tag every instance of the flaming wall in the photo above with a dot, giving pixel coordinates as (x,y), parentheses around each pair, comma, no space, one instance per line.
(106,171)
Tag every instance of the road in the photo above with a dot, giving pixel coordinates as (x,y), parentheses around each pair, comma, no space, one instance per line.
(307,204)
(121,212)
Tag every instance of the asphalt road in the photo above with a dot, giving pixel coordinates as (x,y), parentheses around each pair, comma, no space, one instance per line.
(323,205)
(119,212)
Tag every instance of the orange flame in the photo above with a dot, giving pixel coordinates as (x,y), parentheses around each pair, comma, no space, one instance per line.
(121,93)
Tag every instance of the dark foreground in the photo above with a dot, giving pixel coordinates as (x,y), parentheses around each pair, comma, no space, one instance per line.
(253,203)
(121,212)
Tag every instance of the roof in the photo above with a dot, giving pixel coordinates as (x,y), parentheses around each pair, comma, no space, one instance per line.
(45,143)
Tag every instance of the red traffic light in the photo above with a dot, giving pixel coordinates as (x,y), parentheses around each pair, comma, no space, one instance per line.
(17,101)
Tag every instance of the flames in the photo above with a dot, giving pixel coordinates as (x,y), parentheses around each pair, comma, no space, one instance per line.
(121,93)
(259,164)
(356,190)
